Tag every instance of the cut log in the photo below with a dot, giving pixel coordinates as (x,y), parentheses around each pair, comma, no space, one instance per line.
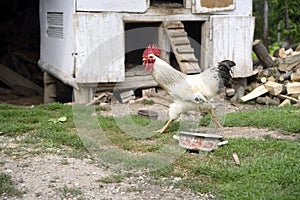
(252,86)
(273,87)
(285,102)
(127,96)
(271,78)
(260,90)
(287,64)
(262,53)
(293,88)
(293,100)
(267,101)
(282,53)
(262,79)
(238,94)
(295,76)
(285,76)
(230,92)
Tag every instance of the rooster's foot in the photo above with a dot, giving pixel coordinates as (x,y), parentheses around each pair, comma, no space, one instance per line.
(163,129)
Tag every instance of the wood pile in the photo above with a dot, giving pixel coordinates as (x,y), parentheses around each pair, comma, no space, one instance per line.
(276,79)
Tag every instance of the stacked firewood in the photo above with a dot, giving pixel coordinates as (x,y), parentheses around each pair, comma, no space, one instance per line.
(276,79)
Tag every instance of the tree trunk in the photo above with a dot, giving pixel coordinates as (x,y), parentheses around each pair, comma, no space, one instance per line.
(266,14)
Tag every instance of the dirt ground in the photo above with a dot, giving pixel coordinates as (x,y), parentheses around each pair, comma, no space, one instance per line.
(52,176)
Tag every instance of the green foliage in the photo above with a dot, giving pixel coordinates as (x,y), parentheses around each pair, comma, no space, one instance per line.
(276,18)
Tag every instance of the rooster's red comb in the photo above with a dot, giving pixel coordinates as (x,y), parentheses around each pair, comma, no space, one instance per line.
(151,49)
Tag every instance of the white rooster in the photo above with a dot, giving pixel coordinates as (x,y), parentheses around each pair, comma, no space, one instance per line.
(190,92)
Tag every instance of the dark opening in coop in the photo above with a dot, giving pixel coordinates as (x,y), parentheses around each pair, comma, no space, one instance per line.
(166,3)
(137,37)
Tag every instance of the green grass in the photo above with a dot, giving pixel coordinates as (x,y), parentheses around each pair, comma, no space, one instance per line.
(36,124)
(114,178)
(269,168)
(285,119)
(147,102)
(8,187)
(70,193)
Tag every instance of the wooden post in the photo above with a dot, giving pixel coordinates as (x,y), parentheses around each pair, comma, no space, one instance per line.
(50,88)
(85,94)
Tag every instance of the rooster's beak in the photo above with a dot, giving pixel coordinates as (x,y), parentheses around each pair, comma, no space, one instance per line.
(144,59)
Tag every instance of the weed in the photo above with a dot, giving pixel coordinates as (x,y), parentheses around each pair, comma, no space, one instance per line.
(68,192)
(7,186)
(114,178)
(147,102)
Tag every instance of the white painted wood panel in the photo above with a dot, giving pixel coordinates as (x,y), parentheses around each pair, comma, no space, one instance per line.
(242,7)
(99,40)
(232,38)
(198,7)
(57,51)
(112,5)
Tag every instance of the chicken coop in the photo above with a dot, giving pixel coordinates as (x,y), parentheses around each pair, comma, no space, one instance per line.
(88,44)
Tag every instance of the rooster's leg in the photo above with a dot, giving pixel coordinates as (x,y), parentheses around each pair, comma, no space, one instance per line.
(163,129)
(214,117)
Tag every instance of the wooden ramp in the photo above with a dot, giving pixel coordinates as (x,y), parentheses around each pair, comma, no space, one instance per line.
(181,46)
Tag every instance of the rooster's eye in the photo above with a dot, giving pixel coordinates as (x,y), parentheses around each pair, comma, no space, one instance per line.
(151,57)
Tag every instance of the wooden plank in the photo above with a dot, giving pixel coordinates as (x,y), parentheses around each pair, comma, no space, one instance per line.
(293,88)
(232,38)
(187,58)
(182,49)
(236,159)
(260,90)
(135,6)
(190,68)
(13,79)
(173,25)
(181,41)
(132,82)
(285,102)
(293,100)
(175,33)
(185,50)
(101,54)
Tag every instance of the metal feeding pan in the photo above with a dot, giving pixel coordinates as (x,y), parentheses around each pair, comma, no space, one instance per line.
(198,141)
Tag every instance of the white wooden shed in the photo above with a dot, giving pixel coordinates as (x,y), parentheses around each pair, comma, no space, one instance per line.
(86,42)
